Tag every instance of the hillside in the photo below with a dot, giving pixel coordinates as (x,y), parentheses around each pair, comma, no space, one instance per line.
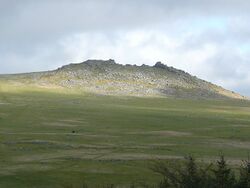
(56,134)
(109,78)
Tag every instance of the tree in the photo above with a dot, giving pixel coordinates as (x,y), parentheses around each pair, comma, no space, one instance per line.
(244,180)
(187,175)
(224,177)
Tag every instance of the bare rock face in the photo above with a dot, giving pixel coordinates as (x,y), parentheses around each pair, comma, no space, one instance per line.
(106,77)
(160,65)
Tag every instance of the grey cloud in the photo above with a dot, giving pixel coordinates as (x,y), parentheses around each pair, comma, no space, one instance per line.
(31,31)
(58,17)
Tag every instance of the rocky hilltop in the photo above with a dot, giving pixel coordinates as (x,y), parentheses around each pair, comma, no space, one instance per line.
(110,78)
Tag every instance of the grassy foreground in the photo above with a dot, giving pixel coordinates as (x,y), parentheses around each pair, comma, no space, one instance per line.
(54,137)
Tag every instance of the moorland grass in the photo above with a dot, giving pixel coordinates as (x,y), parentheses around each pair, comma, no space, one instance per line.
(51,136)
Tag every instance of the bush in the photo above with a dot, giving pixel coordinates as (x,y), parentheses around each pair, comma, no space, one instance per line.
(190,174)
(195,175)
(244,180)
(223,175)
(187,175)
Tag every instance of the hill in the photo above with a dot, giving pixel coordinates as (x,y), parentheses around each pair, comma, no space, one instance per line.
(109,78)
(56,134)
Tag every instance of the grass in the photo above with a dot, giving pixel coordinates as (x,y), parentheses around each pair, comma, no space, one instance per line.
(115,139)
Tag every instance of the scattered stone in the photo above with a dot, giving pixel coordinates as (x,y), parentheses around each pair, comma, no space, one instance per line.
(109,78)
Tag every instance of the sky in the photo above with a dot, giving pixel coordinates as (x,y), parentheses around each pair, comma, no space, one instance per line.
(207,38)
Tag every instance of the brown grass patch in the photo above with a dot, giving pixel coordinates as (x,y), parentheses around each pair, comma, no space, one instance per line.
(164,133)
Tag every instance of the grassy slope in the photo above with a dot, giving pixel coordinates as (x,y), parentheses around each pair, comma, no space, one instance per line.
(115,136)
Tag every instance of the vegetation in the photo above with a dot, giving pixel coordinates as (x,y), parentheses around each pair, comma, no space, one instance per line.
(185,174)
(190,174)
(114,139)
(58,127)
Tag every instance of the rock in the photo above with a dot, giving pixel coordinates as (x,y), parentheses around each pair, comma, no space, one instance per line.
(160,65)
(106,77)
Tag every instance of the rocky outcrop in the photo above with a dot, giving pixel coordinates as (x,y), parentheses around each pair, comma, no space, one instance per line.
(109,78)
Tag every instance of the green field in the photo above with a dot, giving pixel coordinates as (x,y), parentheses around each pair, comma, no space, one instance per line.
(55,137)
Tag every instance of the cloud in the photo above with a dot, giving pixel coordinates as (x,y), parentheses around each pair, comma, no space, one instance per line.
(209,39)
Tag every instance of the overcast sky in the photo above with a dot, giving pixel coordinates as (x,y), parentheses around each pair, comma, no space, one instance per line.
(207,38)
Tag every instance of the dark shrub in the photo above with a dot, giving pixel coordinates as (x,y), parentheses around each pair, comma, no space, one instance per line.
(224,177)
(187,175)
(244,180)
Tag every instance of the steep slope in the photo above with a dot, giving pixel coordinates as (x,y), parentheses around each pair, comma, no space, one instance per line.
(110,78)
